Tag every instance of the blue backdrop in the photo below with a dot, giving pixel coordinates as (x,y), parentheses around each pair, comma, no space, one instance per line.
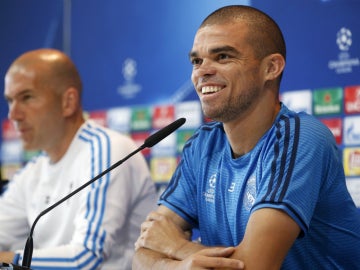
(154,37)
(136,53)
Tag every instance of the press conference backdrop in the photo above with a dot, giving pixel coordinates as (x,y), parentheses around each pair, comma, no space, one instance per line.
(133,58)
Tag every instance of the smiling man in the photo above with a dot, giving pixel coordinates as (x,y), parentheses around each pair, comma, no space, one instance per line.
(264,185)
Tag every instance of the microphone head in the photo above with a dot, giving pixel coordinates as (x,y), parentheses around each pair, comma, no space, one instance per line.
(163,133)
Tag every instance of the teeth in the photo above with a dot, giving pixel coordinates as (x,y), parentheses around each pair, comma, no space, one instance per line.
(210,89)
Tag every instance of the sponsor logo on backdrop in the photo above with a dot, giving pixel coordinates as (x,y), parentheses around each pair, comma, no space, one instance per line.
(166,147)
(351,158)
(327,101)
(162,168)
(298,101)
(163,116)
(351,131)
(119,119)
(12,154)
(335,125)
(8,130)
(353,185)
(11,151)
(182,137)
(99,117)
(191,110)
(8,170)
(345,63)
(129,89)
(141,118)
(139,138)
(352,99)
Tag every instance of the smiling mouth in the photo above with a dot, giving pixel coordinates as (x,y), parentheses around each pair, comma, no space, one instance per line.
(210,89)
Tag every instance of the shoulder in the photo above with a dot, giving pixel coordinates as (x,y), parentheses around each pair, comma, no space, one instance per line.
(303,134)
(207,131)
(32,167)
(305,126)
(208,136)
(93,132)
(107,145)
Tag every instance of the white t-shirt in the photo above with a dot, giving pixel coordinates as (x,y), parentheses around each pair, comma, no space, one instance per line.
(97,227)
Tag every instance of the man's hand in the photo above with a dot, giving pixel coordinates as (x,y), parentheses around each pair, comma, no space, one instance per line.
(165,243)
(6,256)
(211,258)
(161,234)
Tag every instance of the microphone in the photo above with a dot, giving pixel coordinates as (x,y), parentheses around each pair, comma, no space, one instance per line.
(149,142)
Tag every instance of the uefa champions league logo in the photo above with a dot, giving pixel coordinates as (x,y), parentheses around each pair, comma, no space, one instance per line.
(212,181)
(345,63)
(129,71)
(344,39)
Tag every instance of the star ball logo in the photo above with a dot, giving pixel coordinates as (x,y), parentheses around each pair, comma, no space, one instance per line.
(129,89)
(345,63)
(344,39)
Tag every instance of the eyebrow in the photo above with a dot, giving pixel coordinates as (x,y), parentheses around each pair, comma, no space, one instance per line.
(216,50)
(21,93)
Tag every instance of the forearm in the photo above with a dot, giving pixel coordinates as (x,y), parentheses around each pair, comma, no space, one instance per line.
(185,250)
(145,259)
(167,259)
(207,258)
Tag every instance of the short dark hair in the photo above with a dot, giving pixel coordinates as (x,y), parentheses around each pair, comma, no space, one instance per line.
(266,36)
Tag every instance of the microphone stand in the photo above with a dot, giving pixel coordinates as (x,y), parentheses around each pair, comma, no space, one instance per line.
(29,242)
(149,142)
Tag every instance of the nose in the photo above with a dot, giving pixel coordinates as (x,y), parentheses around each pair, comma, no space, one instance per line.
(207,67)
(15,112)
(203,72)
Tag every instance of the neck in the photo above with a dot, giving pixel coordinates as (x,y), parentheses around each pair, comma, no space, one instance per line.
(64,140)
(244,133)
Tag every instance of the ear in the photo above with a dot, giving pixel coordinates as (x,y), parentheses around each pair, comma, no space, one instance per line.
(70,101)
(274,66)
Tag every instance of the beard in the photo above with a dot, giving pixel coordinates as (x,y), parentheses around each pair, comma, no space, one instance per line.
(234,108)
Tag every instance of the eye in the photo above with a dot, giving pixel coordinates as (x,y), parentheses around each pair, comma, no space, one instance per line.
(223,56)
(9,101)
(195,61)
(26,97)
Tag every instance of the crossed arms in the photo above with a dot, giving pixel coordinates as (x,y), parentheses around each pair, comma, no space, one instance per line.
(165,243)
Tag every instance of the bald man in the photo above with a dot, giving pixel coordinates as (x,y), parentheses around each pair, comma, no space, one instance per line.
(96,228)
